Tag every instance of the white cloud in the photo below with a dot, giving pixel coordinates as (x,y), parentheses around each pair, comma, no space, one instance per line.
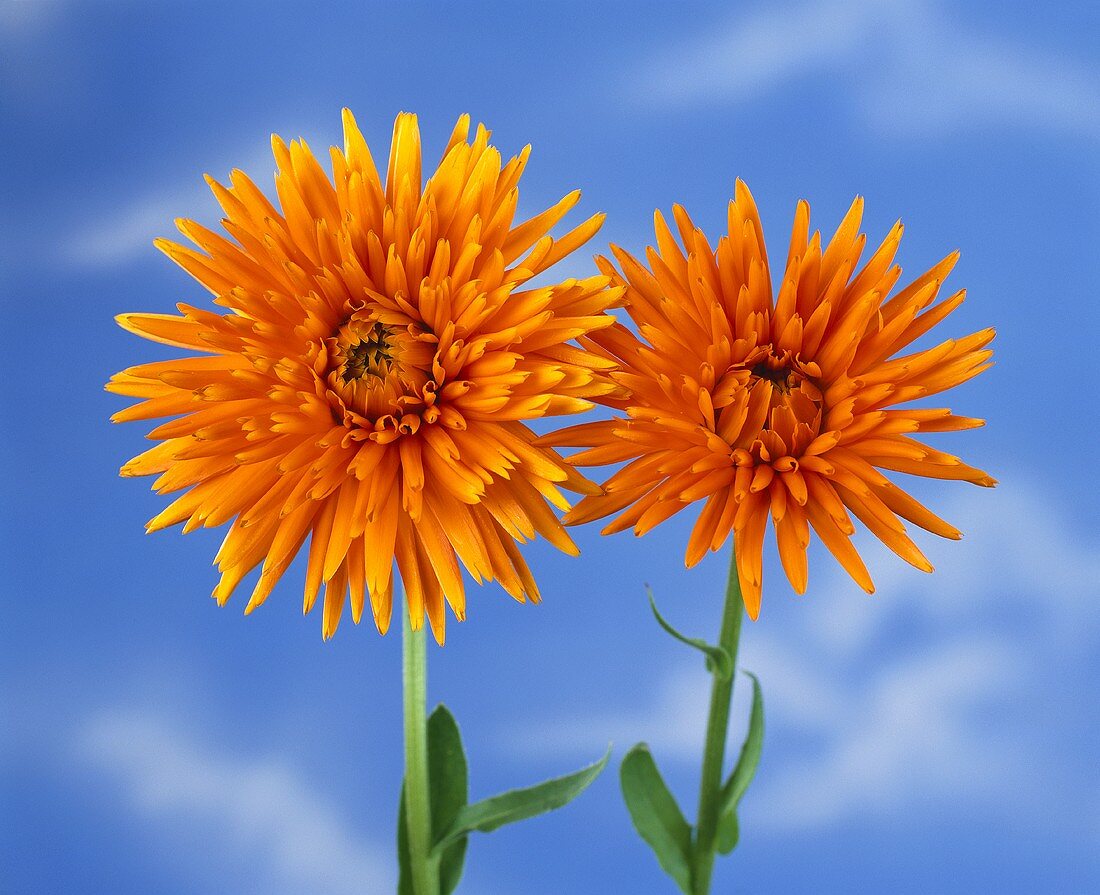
(25,19)
(909,67)
(125,232)
(760,50)
(670,724)
(128,233)
(909,731)
(672,721)
(255,813)
(1021,552)
(914,695)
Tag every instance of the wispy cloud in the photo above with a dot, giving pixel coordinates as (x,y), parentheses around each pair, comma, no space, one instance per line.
(23,19)
(670,723)
(255,812)
(129,232)
(125,231)
(869,718)
(907,731)
(908,68)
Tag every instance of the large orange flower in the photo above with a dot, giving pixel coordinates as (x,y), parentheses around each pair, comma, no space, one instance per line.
(783,406)
(367,385)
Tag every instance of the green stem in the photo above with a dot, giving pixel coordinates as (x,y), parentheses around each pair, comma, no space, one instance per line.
(418,813)
(710,783)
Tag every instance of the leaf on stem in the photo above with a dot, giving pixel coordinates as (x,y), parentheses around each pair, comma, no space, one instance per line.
(404,866)
(656,816)
(448,778)
(519,804)
(448,782)
(743,772)
(728,832)
(718,660)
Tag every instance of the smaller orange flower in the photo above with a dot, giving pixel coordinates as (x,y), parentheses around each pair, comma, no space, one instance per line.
(785,407)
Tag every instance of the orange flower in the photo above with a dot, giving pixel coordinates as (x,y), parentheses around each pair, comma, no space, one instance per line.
(781,406)
(366,387)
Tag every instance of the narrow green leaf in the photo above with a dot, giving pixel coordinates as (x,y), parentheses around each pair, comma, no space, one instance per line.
(404,870)
(520,804)
(728,832)
(742,774)
(451,861)
(718,660)
(656,816)
(446,768)
(448,776)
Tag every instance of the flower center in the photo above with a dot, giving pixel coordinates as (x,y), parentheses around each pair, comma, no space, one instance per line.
(795,402)
(783,369)
(781,377)
(366,350)
(377,373)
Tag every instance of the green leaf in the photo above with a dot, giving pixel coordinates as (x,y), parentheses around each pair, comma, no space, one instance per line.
(656,816)
(745,769)
(448,777)
(451,861)
(404,871)
(728,833)
(718,660)
(520,804)
(743,772)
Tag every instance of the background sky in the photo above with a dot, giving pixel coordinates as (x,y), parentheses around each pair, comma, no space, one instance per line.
(939,737)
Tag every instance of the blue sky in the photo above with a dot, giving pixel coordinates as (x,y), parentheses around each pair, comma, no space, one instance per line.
(941,736)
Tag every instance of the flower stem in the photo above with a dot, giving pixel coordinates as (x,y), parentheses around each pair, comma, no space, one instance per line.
(710,784)
(425,877)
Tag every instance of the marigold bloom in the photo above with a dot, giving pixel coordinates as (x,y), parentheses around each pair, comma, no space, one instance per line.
(781,407)
(366,387)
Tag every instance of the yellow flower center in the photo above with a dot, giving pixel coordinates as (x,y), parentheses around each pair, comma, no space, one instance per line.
(795,404)
(781,377)
(365,350)
(378,372)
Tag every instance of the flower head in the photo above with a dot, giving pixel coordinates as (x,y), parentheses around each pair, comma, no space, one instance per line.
(365,386)
(784,407)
